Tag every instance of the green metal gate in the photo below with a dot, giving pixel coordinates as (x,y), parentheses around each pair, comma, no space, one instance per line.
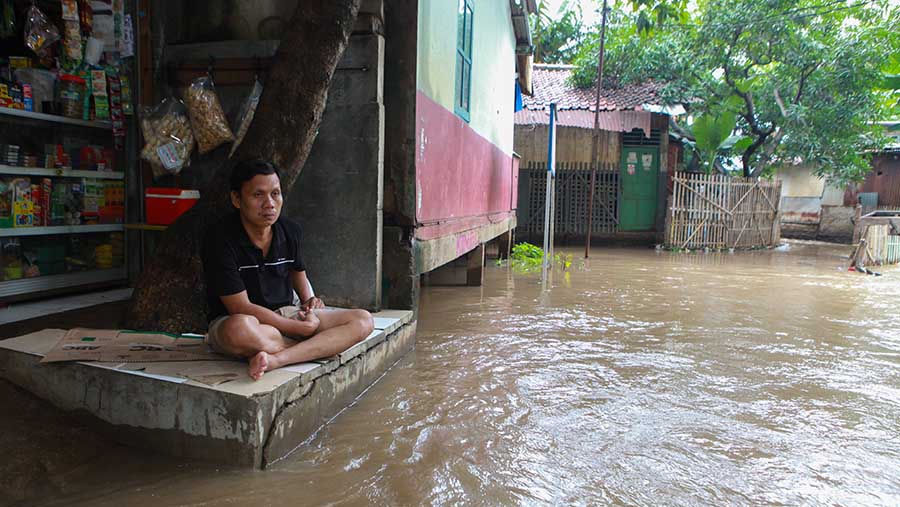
(639,176)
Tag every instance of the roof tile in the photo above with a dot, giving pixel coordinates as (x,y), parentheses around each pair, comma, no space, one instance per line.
(551,85)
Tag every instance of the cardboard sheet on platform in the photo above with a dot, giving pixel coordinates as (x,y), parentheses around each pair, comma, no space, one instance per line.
(112,345)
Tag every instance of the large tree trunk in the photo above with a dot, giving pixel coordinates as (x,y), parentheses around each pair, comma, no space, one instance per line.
(170,294)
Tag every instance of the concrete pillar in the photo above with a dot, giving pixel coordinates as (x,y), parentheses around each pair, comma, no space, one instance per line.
(505,243)
(338,197)
(475,267)
(402,280)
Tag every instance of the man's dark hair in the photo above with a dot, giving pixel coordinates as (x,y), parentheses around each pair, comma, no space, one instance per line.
(246,170)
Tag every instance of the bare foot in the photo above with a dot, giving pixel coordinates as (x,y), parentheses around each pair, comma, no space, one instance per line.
(259,364)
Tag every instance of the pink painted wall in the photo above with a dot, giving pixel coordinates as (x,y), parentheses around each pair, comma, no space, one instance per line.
(460,175)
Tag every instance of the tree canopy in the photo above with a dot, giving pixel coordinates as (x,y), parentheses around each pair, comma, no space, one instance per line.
(557,36)
(788,79)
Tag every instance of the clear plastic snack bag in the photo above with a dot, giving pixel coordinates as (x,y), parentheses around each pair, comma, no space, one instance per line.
(168,139)
(245,115)
(207,118)
(39,31)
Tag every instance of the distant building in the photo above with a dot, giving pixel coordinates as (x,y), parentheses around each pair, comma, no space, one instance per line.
(634,151)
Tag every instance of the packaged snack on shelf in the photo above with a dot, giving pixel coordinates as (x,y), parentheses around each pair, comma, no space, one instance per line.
(127,106)
(42,83)
(37,212)
(167,136)
(86,16)
(23,206)
(27,97)
(245,115)
(6,200)
(101,97)
(11,96)
(70,10)
(72,42)
(58,204)
(207,118)
(19,62)
(39,31)
(46,196)
(116,112)
(71,95)
(86,96)
(73,204)
(92,200)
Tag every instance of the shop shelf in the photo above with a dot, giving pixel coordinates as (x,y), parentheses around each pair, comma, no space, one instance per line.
(51,282)
(53,118)
(66,173)
(59,229)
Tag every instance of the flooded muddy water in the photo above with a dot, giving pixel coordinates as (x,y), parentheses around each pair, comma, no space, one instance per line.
(643,378)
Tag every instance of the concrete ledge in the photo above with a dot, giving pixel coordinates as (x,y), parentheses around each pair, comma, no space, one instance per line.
(432,253)
(208,410)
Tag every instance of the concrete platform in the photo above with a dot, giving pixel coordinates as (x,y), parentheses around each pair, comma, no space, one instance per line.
(208,410)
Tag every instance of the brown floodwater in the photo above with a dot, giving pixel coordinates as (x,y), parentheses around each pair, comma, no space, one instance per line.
(643,378)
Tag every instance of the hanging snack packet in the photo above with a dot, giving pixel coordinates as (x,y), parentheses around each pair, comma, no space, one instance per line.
(167,136)
(70,10)
(207,118)
(101,97)
(245,115)
(39,31)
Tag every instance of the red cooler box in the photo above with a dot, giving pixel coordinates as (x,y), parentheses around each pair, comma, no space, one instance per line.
(164,205)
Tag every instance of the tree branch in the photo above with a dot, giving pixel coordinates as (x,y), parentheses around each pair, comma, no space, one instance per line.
(170,294)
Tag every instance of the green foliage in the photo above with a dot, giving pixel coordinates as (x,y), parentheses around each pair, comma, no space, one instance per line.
(649,14)
(527,253)
(889,86)
(557,38)
(810,76)
(526,257)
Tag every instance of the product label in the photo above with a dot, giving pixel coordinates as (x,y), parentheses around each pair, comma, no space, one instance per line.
(169,156)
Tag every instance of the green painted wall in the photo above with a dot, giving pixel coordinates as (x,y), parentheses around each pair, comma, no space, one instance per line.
(493,64)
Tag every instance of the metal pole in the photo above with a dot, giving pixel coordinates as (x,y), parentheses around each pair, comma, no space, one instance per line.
(546,228)
(595,145)
(552,218)
(548,199)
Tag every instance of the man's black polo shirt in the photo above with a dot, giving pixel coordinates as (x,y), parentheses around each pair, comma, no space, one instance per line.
(232,263)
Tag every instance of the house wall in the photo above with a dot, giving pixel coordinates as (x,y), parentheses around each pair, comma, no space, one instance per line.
(493,64)
(464,170)
(800,181)
(801,196)
(811,208)
(884,178)
(573,144)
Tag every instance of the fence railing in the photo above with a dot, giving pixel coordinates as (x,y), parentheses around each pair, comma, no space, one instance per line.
(879,244)
(717,211)
(572,195)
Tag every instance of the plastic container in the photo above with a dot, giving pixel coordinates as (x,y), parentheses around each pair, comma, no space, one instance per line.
(71,95)
(165,205)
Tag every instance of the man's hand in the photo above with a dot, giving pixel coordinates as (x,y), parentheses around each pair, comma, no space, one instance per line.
(312,319)
(313,303)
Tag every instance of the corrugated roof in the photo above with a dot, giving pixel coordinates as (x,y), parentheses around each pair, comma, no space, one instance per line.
(550,84)
(613,121)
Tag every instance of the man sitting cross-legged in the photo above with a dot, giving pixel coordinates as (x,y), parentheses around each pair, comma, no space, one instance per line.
(254,272)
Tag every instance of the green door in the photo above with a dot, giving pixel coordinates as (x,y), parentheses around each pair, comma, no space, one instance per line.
(639,175)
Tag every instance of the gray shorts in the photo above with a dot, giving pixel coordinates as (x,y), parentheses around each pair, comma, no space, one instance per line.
(212,335)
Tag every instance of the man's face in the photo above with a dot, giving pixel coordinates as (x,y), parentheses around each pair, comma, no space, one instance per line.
(260,200)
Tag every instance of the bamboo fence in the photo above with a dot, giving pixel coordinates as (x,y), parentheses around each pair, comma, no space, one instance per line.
(877,246)
(718,211)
